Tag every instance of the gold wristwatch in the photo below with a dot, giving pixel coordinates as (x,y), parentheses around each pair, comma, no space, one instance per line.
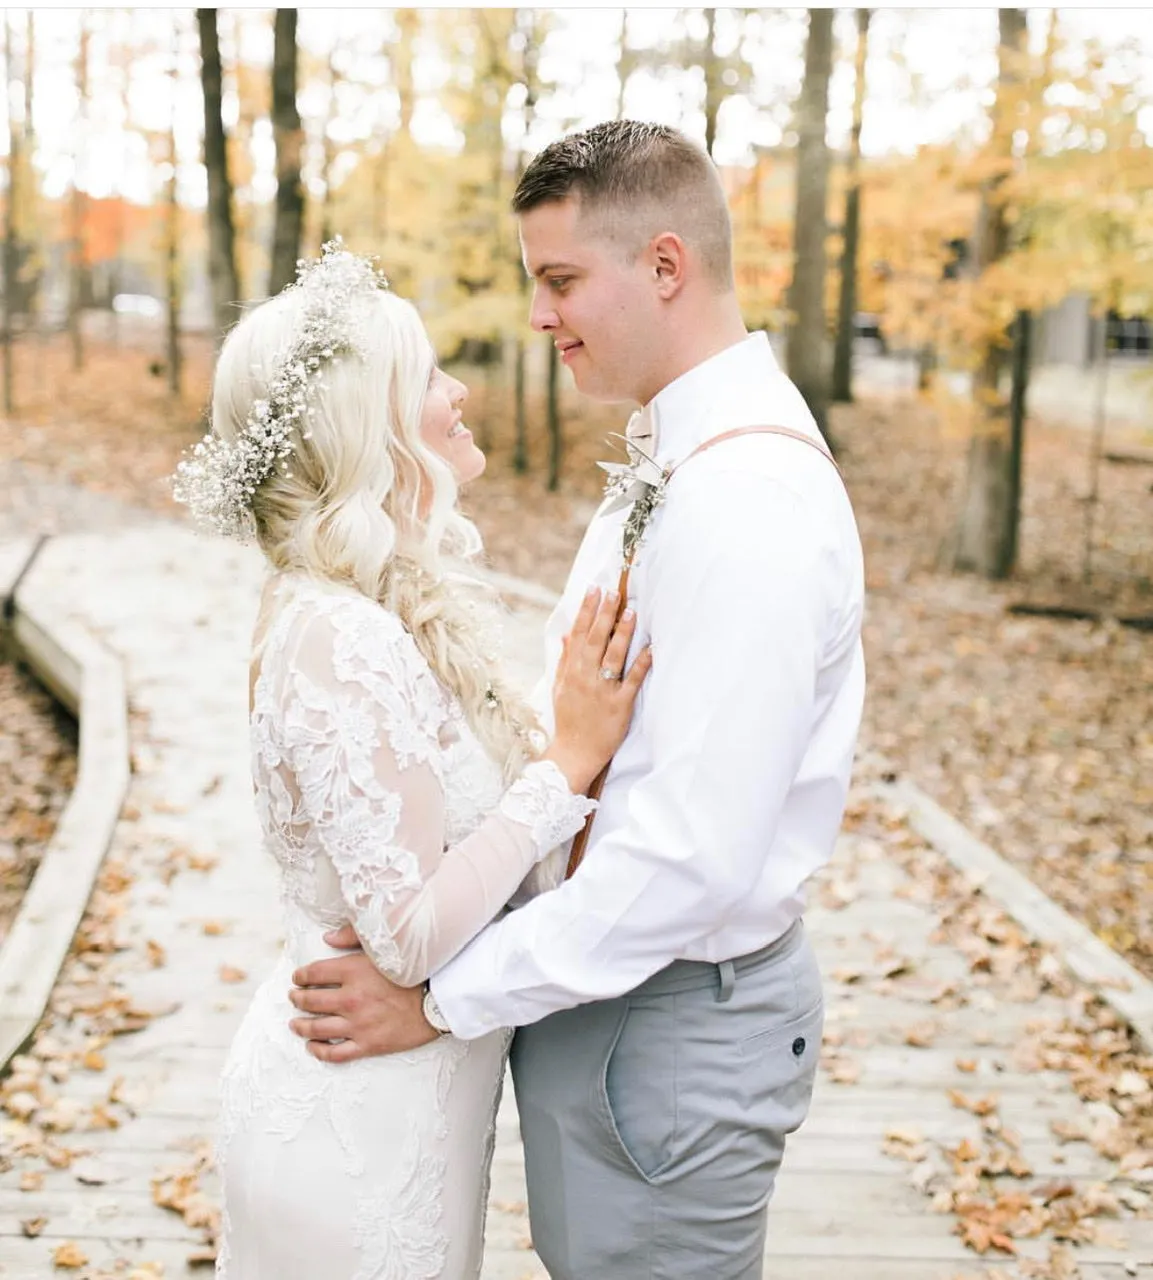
(432,1014)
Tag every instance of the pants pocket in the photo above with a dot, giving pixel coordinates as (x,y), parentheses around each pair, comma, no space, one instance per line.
(780,1068)
(637,1088)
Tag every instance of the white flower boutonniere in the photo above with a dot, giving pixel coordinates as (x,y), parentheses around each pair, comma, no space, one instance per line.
(639,484)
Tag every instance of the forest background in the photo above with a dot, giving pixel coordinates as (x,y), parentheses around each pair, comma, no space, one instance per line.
(944,219)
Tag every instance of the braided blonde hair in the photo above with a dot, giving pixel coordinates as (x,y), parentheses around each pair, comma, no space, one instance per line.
(364,502)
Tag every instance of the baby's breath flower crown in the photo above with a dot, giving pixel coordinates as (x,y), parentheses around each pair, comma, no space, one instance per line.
(217,481)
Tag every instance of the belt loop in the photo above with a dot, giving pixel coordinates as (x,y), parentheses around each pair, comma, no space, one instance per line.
(728,976)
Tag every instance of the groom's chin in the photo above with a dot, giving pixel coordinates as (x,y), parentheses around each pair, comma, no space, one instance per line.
(597,389)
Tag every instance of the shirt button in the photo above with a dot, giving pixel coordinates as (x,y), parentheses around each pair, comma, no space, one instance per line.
(798,1046)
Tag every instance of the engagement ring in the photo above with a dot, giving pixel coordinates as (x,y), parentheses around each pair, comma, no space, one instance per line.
(607,673)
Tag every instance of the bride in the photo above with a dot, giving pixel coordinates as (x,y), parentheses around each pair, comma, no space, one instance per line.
(398,778)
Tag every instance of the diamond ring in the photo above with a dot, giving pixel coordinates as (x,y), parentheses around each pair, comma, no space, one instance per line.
(607,673)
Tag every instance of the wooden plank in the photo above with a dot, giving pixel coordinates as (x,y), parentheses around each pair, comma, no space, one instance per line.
(798,1191)
(14,555)
(1083,953)
(42,933)
(856,1236)
(841,1233)
(57,664)
(31,1260)
(819,1266)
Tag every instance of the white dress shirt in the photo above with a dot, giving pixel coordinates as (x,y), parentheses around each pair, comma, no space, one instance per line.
(728,792)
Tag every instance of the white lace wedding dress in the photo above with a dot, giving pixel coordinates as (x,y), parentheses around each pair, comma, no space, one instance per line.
(382,809)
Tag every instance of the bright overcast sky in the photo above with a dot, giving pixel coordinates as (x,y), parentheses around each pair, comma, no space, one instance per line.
(929,70)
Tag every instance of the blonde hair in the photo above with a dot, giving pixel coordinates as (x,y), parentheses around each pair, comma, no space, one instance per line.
(364,502)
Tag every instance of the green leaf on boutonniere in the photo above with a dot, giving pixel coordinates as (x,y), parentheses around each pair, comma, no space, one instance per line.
(639,485)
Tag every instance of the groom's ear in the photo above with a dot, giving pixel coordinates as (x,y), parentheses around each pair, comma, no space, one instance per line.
(667,259)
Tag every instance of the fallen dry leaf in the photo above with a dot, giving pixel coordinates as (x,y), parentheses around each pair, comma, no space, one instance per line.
(843,1070)
(922,1034)
(69,1257)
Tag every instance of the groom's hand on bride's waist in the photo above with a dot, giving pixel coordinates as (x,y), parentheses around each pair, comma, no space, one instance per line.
(353,1010)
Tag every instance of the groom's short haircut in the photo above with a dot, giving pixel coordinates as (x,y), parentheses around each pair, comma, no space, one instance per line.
(635,180)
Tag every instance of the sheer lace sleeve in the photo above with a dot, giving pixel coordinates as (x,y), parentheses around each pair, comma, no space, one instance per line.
(548,874)
(363,719)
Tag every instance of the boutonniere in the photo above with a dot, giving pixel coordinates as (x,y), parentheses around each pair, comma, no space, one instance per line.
(639,484)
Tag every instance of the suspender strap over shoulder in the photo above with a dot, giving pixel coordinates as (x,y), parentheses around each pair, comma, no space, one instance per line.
(580,841)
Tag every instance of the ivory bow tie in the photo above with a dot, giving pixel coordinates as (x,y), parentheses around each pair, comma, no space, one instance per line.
(641,430)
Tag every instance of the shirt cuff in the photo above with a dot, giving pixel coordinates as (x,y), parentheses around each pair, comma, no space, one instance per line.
(540,799)
(454,989)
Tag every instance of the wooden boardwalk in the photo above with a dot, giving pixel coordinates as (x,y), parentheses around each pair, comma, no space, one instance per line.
(195,908)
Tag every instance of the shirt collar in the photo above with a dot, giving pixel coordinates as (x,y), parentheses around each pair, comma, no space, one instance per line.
(702,401)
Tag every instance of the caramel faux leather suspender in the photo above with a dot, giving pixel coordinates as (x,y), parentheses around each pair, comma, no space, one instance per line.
(580,841)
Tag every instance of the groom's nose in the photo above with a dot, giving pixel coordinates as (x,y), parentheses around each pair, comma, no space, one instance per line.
(542,316)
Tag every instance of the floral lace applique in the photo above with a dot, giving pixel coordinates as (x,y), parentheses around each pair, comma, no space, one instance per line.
(540,799)
(358,754)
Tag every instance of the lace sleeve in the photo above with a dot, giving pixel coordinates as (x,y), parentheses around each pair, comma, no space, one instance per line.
(362,719)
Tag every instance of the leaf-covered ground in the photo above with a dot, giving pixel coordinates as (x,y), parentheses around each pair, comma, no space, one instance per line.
(1036,732)
(37,772)
(1033,731)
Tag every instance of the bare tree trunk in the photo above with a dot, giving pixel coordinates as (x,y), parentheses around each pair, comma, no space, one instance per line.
(626,64)
(555,438)
(520,446)
(1018,410)
(402,53)
(1022,331)
(33,269)
(842,388)
(807,342)
(481,422)
(986,535)
(531,79)
(118,256)
(172,237)
(10,231)
(76,275)
(1096,450)
(289,137)
(328,155)
(714,81)
(221,233)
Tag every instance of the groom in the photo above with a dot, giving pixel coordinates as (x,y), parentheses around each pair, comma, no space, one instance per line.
(668,1002)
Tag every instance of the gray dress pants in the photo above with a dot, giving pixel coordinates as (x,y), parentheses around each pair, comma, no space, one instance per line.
(654,1124)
